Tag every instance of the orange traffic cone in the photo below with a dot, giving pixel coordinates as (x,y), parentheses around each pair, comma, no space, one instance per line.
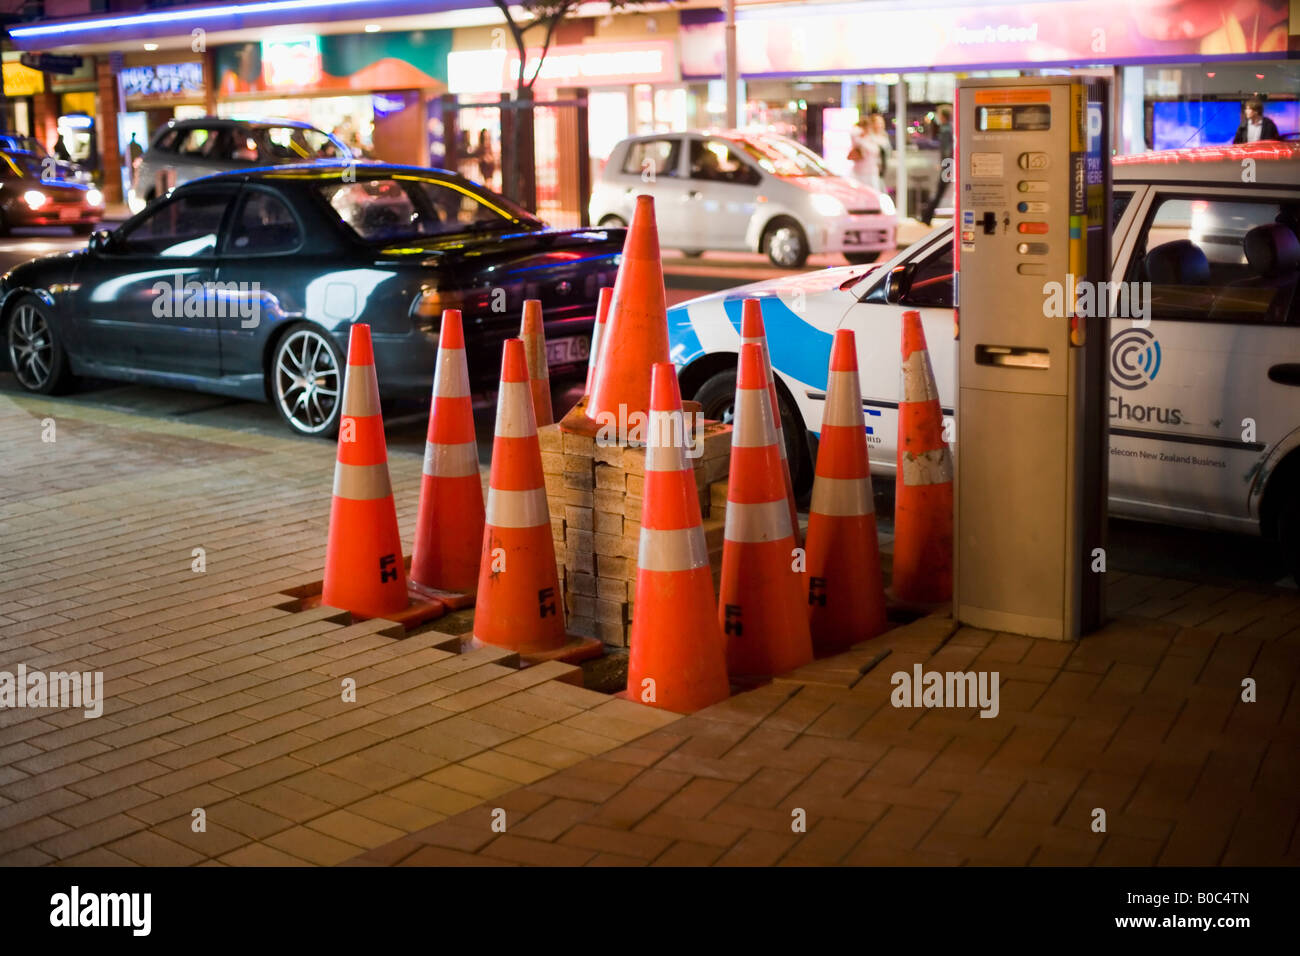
(762,606)
(598,335)
(846,595)
(449,527)
(678,659)
(636,336)
(520,605)
(533,333)
(923,485)
(751,330)
(364,571)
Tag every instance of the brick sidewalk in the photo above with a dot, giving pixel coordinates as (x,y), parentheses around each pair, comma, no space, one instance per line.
(219,697)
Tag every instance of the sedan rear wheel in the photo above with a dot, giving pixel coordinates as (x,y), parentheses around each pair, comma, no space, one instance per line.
(35,353)
(306,381)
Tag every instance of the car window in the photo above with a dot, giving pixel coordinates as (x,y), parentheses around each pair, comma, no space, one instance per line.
(187,225)
(263,225)
(1220,260)
(276,144)
(932,282)
(195,142)
(1119,201)
(167,141)
(652,157)
(402,209)
(713,160)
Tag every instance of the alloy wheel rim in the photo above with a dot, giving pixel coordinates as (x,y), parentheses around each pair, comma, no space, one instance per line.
(31,347)
(785,246)
(307,381)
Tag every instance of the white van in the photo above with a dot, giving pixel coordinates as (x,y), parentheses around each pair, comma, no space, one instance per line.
(744,192)
(1204,400)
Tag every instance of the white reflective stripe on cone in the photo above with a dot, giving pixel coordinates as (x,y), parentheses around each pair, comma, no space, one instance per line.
(843,400)
(842,497)
(361,482)
(361,392)
(450,461)
(928,468)
(515,410)
(517,509)
(594,354)
(678,550)
(752,426)
(451,376)
(668,440)
(764,521)
(918,378)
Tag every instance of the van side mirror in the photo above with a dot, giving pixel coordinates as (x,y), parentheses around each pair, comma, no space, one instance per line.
(899,282)
(101,240)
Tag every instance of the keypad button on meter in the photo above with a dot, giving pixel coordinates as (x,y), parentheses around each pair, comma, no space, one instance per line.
(1032,248)
(1033,161)
(1032,186)
(1034,207)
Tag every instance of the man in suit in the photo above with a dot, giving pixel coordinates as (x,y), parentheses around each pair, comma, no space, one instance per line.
(1257,126)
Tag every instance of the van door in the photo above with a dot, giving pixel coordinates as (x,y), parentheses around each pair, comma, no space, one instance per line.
(1198,353)
(878,331)
(654,167)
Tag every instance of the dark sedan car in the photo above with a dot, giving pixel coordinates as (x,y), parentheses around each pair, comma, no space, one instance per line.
(33,193)
(246,284)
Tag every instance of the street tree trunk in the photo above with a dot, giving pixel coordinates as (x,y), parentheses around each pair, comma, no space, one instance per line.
(519,152)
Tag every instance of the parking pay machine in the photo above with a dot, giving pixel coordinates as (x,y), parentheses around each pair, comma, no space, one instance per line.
(1032,232)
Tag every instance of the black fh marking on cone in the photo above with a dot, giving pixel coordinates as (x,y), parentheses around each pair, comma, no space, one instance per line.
(731,620)
(388,568)
(546,602)
(817,591)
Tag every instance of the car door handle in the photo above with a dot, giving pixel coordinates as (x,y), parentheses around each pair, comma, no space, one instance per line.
(1287,373)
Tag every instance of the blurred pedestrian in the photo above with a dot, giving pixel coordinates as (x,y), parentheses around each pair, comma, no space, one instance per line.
(1257,126)
(864,154)
(944,117)
(878,135)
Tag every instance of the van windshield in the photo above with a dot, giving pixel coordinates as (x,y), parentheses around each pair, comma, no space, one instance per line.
(783,157)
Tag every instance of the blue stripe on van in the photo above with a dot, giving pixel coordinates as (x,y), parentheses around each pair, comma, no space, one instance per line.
(798,349)
(683,344)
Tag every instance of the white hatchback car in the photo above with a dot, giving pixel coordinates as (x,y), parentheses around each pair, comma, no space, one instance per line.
(744,191)
(1204,399)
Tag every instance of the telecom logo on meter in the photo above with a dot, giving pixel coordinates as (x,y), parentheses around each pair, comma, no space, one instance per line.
(1134,358)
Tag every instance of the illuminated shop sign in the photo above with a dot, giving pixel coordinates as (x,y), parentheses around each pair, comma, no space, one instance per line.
(291,63)
(163,80)
(603,64)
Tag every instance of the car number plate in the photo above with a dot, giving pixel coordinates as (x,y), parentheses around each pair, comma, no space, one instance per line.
(72,212)
(566,351)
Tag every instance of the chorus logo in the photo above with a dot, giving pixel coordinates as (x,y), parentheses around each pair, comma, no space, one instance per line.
(1134,358)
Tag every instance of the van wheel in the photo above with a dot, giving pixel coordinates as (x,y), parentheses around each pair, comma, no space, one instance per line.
(785,243)
(613,222)
(717,398)
(1288,531)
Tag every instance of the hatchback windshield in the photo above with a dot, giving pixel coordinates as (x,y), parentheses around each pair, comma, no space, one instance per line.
(402,208)
(783,157)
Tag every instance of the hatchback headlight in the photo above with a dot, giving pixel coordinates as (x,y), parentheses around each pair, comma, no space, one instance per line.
(94,197)
(34,198)
(828,206)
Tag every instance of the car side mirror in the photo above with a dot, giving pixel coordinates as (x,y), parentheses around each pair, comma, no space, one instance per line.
(899,282)
(101,240)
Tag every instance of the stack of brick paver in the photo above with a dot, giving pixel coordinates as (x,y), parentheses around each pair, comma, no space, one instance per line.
(594,488)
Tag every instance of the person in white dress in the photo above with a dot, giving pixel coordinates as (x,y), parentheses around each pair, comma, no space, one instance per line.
(865,156)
